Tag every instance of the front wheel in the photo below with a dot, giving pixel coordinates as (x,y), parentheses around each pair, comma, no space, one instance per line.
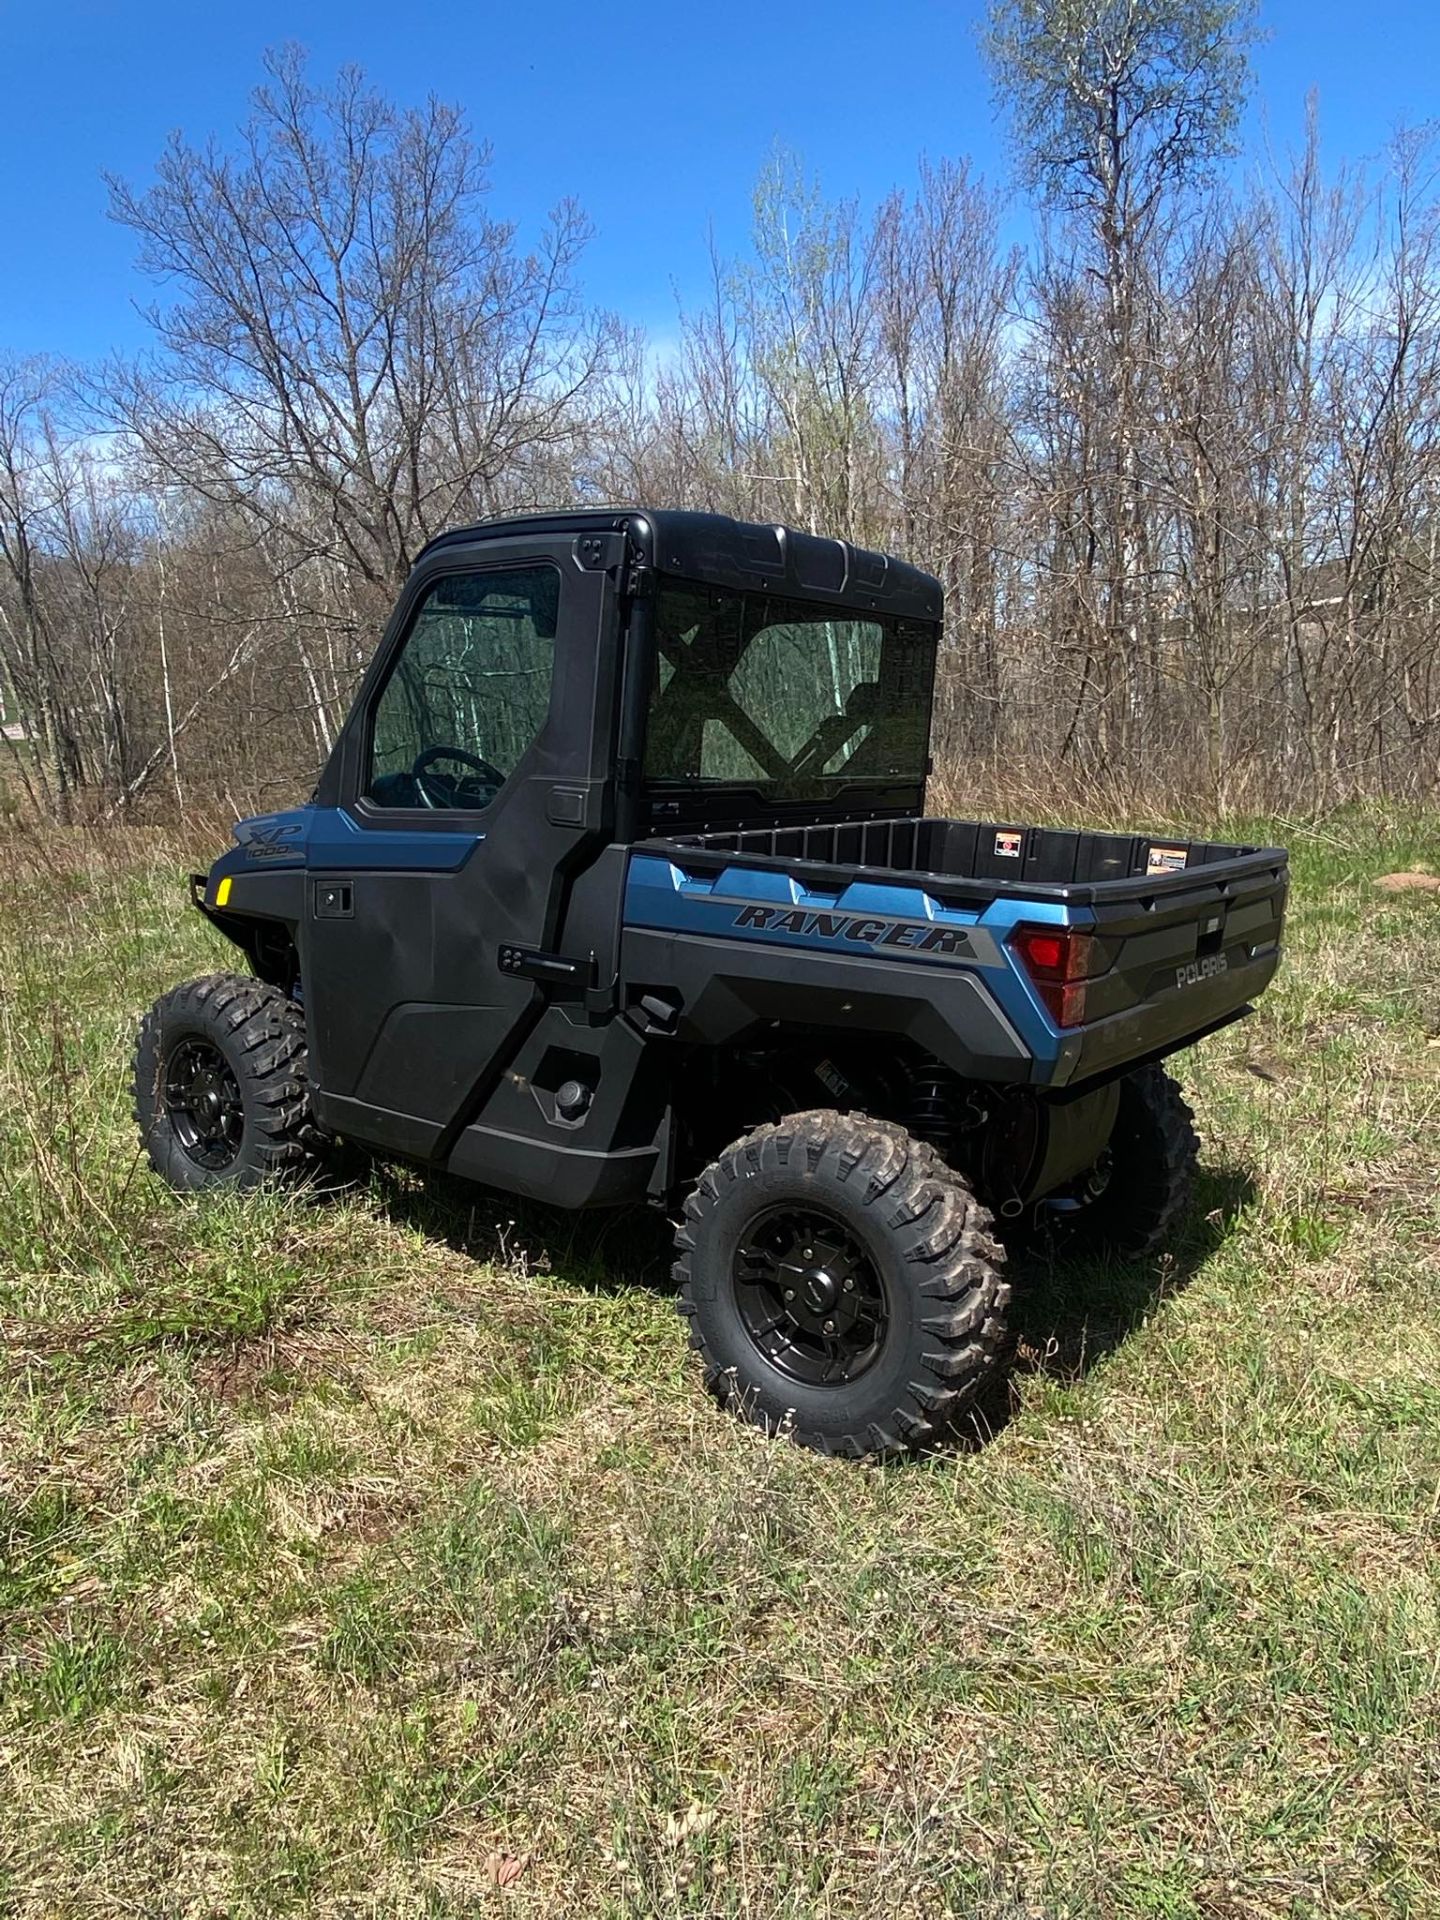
(222,1097)
(841,1284)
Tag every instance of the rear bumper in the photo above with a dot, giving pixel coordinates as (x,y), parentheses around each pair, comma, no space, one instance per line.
(1177,1019)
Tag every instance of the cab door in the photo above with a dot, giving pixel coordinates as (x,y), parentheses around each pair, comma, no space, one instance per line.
(472,784)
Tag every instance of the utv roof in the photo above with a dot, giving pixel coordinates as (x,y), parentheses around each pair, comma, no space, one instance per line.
(720,551)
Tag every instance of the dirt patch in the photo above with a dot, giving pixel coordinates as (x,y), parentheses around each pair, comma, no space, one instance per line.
(267,1371)
(1408,883)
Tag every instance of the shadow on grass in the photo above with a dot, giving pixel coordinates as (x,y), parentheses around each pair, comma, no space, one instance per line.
(605,1251)
(1067,1315)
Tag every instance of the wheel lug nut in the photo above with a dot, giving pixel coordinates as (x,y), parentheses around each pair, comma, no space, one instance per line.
(789,1293)
(829,1326)
(849,1286)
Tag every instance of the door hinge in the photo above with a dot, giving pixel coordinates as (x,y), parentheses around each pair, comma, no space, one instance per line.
(552,969)
(599,552)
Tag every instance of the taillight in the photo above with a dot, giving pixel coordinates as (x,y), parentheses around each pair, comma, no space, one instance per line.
(1058,961)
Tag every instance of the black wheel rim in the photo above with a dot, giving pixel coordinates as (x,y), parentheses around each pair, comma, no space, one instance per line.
(810,1296)
(203,1103)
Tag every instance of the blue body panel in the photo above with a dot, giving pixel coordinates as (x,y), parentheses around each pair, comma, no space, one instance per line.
(663,897)
(327,839)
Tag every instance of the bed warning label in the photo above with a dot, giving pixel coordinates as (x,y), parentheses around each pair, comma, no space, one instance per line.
(1167,860)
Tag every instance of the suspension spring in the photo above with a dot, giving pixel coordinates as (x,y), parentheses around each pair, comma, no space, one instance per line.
(939,1106)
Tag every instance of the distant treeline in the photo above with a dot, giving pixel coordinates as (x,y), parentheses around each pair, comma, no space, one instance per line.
(1178,463)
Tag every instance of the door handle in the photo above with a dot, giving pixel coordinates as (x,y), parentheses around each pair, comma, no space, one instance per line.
(334,900)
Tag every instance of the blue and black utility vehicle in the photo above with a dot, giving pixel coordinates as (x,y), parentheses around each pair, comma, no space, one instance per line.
(618,887)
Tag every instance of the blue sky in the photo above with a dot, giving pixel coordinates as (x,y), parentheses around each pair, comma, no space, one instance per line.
(657,120)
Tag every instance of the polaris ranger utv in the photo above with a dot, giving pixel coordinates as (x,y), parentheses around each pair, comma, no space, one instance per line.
(618,887)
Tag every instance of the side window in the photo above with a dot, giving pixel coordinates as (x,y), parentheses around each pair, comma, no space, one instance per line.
(469,692)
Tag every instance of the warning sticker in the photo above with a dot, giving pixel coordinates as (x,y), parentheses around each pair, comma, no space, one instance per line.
(1009,845)
(1167,860)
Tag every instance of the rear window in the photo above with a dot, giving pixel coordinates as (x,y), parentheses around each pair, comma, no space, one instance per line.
(782,695)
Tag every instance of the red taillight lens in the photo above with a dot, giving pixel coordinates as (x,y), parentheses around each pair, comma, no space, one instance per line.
(1045,952)
(1058,961)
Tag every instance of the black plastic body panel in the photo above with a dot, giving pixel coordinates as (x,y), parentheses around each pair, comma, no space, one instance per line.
(262,917)
(612,1151)
(409,1009)
(726,990)
(735,553)
(275,893)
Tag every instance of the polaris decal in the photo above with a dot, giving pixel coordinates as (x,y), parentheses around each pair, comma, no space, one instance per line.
(1209,968)
(907,935)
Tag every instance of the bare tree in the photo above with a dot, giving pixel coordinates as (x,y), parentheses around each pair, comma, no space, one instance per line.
(1116,108)
(355,352)
(1178,466)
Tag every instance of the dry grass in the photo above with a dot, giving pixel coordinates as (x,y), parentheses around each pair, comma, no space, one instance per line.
(382,1557)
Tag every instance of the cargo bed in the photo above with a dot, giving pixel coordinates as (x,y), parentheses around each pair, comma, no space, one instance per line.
(1173,937)
(1062,863)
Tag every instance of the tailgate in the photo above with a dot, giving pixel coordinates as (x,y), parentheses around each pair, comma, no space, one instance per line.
(1178,962)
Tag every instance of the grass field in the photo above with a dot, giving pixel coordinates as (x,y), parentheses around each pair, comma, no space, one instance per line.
(382,1556)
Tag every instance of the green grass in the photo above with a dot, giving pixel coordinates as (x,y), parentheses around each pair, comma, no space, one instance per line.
(349,1551)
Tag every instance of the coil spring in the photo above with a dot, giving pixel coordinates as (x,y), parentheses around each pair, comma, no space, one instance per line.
(938,1106)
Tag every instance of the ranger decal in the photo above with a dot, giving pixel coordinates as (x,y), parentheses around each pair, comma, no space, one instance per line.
(906,934)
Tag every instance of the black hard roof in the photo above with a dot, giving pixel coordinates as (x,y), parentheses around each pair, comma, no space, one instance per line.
(720,551)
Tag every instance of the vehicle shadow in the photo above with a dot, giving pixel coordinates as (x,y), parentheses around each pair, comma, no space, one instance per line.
(605,1251)
(1067,1315)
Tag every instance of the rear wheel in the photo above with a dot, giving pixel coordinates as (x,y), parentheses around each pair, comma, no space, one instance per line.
(841,1284)
(222,1097)
(1135,1197)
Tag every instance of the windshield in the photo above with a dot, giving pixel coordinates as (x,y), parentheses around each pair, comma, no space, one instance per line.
(786,696)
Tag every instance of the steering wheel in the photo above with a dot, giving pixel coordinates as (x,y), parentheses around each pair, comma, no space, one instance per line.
(422,763)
